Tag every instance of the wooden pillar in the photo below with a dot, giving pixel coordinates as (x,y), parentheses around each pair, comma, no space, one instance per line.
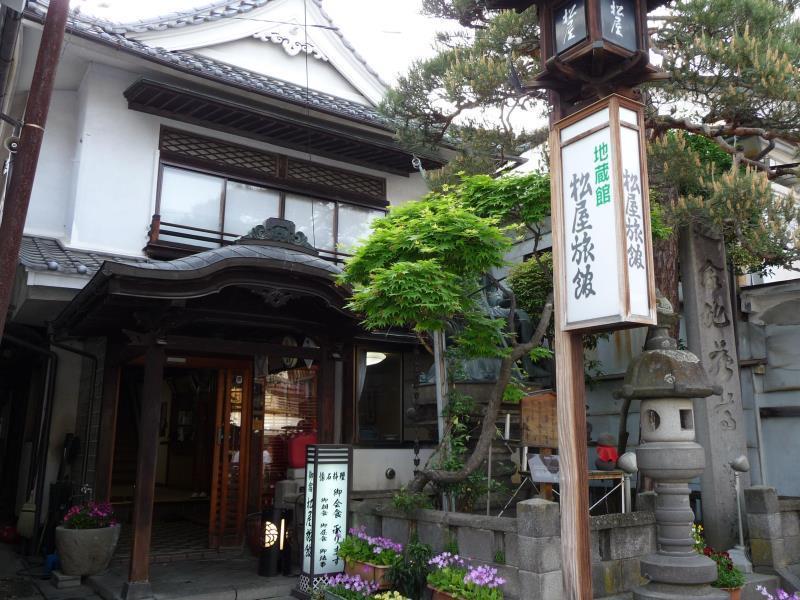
(576,559)
(108,430)
(138,584)
(326,401)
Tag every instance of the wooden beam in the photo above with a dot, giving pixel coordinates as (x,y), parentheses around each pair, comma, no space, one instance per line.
(576,557)
(326,397)
(138,585)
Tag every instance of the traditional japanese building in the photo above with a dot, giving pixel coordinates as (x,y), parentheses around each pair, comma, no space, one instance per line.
(177,333)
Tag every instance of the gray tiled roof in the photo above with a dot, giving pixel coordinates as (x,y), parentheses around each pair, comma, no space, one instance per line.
(113,35)
(47,254)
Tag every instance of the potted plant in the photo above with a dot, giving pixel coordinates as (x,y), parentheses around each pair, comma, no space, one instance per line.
(453,578)
(729,577)
(87,538)
(348,587)
(369,557)
(409,572)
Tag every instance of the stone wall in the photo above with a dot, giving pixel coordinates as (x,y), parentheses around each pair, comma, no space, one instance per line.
(774,526)
(529,545)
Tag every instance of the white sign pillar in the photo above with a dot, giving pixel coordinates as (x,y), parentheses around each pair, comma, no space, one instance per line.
(328,485)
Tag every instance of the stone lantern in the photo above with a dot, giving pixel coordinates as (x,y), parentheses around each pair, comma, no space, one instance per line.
(668,381)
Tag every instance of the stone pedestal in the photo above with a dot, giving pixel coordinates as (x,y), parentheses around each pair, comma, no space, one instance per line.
(709,318)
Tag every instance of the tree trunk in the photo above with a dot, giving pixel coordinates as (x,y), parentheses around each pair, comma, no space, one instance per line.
(665,266)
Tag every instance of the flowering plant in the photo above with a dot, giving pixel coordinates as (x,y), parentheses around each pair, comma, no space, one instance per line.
(779,594)
(90,515)
(697,536)
(728,576)
(358,546)
(452,575)
(390,595)
(350,587)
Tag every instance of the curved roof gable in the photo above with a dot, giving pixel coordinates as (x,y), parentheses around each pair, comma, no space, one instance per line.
(295,25)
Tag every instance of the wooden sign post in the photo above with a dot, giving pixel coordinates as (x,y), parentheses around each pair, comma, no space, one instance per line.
(602,251)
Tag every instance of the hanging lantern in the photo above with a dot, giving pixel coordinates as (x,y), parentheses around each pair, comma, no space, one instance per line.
(591,47)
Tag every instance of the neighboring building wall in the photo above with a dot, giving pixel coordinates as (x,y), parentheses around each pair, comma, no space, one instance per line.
(771,380)
(370,466)
(529,545)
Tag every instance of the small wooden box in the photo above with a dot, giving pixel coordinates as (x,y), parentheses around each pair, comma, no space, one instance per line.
(540,420)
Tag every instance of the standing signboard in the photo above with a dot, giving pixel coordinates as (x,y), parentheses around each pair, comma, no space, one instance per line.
(328,487)
(601,219)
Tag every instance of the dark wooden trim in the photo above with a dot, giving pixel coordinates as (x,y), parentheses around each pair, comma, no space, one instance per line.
(326,397)
(146,465)
(108,428)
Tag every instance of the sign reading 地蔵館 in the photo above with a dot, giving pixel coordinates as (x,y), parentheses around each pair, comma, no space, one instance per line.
(601,237)
(328,485)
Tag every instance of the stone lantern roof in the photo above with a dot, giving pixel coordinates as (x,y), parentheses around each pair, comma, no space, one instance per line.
(664,371)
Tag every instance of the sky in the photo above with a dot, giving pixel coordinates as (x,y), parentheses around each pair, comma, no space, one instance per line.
(388,33)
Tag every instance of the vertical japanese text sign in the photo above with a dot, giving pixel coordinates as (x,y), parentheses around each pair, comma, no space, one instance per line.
(328,486)
(603,251)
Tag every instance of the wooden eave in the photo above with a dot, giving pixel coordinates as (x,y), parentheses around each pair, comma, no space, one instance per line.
(273,125)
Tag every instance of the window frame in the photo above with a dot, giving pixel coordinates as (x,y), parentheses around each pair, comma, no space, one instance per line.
(282,188)
(356,441)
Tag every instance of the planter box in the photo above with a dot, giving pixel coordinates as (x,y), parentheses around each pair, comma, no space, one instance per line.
(440,595)
(369,572)
(86,551)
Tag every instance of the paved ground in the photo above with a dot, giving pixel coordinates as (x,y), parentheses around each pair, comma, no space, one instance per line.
(228,579)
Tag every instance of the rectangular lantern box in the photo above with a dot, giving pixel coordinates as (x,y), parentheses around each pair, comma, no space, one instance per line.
(603,251)
(329,470)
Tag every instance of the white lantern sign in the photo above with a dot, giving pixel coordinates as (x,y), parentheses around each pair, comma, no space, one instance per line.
(328,486)
(601,218)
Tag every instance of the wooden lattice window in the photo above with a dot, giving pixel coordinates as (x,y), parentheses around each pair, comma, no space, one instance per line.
(220,154)
(320,175)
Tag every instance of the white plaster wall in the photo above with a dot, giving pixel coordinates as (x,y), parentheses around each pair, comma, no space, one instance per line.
(97,185)
(370,464)
(48,212)
(116,174)
(270,59)
(782,454)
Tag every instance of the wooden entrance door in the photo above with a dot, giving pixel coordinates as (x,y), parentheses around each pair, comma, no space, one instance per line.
(232,434)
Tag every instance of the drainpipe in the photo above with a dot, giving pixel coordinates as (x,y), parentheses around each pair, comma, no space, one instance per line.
(39,464)
(18,196)
(88,428)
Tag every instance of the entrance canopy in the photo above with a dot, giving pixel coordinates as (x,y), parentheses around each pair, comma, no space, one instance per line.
(270,281)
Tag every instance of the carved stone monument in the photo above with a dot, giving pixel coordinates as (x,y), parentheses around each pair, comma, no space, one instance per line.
(709,318)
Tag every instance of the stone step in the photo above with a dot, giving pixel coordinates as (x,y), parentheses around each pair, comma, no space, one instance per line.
(754,580)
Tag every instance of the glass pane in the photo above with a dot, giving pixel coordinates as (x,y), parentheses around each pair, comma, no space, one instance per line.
(419,398)
(314,218)
(193,199)
(290,418)
(380,396)
(247,206)
(354,225)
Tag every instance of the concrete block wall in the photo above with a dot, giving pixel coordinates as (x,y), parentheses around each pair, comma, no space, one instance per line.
(774,526)
(530,544)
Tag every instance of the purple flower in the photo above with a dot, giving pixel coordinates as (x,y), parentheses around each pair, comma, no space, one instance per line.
(483,576)
(446,559)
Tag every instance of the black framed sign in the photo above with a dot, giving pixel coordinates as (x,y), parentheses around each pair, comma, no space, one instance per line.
(618,19)
(570,24)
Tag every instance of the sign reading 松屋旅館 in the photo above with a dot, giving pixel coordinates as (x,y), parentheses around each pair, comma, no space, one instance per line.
(604,253)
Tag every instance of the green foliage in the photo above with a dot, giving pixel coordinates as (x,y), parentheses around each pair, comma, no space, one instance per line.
(355,548)
(513,393)
(532,282)
(408,501)
(449,580)
(517,199)
(409,572)
(451,546)
(500,557)
(413,269)
(736,62)
(703,188)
